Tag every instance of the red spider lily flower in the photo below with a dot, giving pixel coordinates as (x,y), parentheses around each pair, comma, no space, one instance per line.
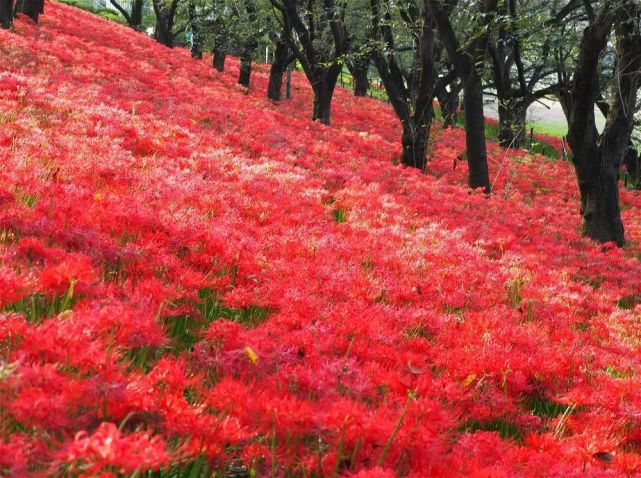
(377,472)
(74,268)
(12,288)
(108,447)
(222,279)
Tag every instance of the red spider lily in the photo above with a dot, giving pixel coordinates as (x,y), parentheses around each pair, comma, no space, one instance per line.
(219,283)
(107,447)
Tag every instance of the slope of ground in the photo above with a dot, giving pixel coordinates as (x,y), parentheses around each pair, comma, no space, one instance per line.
(192,277)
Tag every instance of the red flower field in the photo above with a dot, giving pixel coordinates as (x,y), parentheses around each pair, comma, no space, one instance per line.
(194,280)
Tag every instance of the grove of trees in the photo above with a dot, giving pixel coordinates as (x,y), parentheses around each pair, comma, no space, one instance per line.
(585,54)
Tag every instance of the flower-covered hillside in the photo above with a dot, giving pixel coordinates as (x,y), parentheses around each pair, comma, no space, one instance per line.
(196,280)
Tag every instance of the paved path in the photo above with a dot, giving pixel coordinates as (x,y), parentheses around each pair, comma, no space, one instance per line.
(546,111)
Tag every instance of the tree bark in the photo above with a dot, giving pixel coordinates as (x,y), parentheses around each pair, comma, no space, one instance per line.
(249,44)
(323,85)
(597,158)
(415,142)
(288,83)
(323,92)
(475,133)
(512,106)
(163,35)
(361,83)
(220,35)
(449,102)
(6,14)
(218,59)
(135,21)
(275,86)
(411,98)
(165,16)
(31,8)
(245,68)
(196,39)
(359,71)
(599,188)
(512,123)
(469,63)
(632,162)
(282,59)
(322,65)
(449,106)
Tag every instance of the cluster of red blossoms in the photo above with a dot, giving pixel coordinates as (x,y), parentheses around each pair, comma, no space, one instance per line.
(196,280)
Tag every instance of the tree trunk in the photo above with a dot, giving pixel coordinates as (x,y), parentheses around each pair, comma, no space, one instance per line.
(275,86)
(415,142)
(278,68)
(599,188)
(321,61)
(196,48)
(220,35)
(632,163)
(598,158)
(469,63)
(163,35)
(361,80)
(323,92)
(512,122)
(31,8)
(288,83)
(6,13)
(218,59)
(245,68)
(196,40)
(135,20)
(249,44)
(449,104)
(165,15)
(475,133)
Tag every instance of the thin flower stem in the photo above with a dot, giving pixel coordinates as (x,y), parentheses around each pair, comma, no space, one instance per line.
(397,427)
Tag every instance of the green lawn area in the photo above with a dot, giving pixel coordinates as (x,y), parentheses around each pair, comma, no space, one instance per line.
(549,128)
